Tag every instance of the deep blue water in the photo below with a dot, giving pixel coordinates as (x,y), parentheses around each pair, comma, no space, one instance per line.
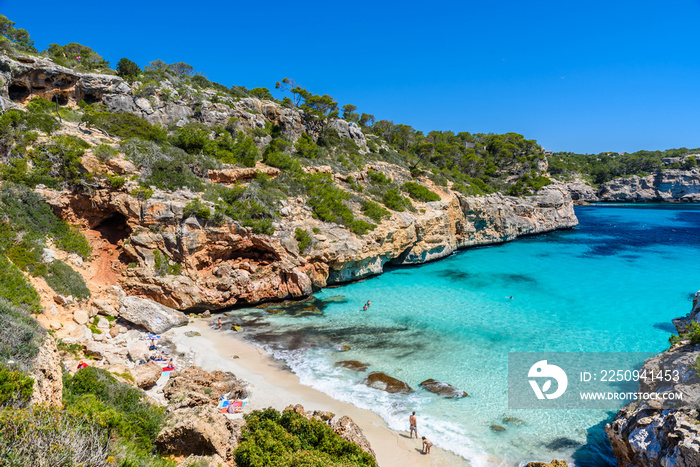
(611,284)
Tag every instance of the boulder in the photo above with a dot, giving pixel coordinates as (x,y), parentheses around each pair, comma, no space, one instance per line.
(384,382)
(193,387)
(138,351)
(201,431)
(146,375)
(353,365)
(153,316)
(497,428)
(349,431)
(80,316)
(443,389)
(104,308)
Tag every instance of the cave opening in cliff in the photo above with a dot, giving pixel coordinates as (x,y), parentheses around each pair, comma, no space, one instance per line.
(18,92)
(114,228)
(91,98)
(60,98)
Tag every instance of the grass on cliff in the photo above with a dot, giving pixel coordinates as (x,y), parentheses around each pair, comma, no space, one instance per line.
(271,439)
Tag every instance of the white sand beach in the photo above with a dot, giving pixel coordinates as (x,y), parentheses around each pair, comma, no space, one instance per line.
(273,386)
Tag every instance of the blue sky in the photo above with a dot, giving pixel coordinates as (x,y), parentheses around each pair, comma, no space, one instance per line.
(577,76)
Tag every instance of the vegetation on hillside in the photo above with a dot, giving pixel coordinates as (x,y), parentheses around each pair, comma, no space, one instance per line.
(289,439)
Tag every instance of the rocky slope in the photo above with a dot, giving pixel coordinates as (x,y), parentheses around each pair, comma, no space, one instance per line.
(656,434)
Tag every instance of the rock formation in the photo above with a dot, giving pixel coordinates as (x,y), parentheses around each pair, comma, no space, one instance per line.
(667,185)
(48,375)
(153,316)
(384,382)
(443,389)
(656,433)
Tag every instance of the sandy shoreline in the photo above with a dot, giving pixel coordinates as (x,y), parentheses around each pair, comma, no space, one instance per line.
(273,386)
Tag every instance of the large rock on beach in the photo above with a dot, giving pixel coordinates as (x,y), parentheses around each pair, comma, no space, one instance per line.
(146,375)
(201,431)
(554,463)
(384,382)
(192,386)
(153,316)
(443,389)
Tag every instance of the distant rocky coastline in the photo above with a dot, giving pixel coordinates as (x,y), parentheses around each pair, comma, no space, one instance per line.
(667,186)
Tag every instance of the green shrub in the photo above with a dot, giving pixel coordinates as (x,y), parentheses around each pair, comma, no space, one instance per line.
(303,238)
(173,176)
(73,349)
(115,181)
(288,440)
(20,334)
(47,436)
(57,161)
(124,125)
(378,177)
(65,281)
(692,334)
(96,395)
(374,211)
(104,152)
(395,201)
(15,289)
(15,387)
(282,161)
(306,147)
(197,209)
(420,192)
(163,267)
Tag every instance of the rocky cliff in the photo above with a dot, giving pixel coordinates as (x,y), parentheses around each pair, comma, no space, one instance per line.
(664,186)
(228,264)
(653,433)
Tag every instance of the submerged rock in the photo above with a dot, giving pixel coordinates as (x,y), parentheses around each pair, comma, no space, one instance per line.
(443,389)
(554,463)
(497,428)
(353,365)
(384,382)
(513,420)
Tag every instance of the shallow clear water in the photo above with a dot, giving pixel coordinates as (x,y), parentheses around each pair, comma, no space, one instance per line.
(611,284)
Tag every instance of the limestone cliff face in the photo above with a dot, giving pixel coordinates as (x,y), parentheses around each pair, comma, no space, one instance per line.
(668,185)
(656,434)
(228,265)
(48,376)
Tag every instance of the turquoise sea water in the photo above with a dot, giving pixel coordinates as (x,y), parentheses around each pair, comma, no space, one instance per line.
(611,284)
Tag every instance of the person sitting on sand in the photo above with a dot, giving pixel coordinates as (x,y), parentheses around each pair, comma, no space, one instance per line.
(413,425)
(427,444)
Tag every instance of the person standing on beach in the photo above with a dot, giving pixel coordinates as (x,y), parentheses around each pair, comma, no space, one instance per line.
(219,323)
(414,425)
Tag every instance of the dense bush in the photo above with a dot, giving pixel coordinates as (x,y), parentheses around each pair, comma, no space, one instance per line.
(95,394)
(20,334)
(65,281)
(162,265)
(196,208)
(303,239)
(420,192)
(15,387)
(271,439)
(395,201)
(254,205)
(15,289)
(46,436)
(76,55)
(124,125)
(692,334)
(374,211)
